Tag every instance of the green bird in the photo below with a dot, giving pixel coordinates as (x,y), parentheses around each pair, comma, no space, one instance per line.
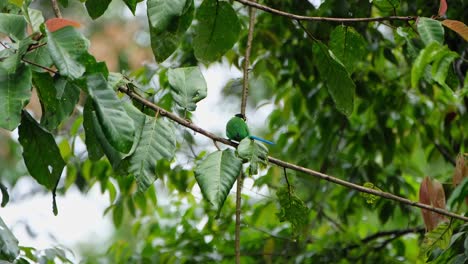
(237,129)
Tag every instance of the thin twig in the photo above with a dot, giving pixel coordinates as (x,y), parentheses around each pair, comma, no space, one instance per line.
(291,166)
(40,66)
(330,19)
(245,84)
(56,8)
(238,215)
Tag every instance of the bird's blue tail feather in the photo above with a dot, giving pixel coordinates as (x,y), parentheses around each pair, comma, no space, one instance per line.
(262,140)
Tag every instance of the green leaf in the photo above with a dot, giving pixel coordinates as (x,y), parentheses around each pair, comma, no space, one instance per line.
(34,18)
(55,107)
(459,194)
(131,4)
(188,86)
(92,143)
(217,30)
(40,56)
(256,153)
(387,5)
(168,23)
(292,209)
(96,8)
(14,26)
(441,66)
(340,86)
(114,157)
(216,174)
(40,152)
(116,125)
(438,237)
(66,46)
(430,30)
(157,142)
(15,91)
(427,56)
(9,249)
(348,46)
(64,3)
(370,198)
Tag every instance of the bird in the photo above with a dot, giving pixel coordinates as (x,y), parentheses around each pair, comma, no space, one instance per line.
(237,129)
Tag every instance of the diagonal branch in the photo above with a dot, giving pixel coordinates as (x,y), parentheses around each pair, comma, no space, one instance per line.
(288,165)
(245,84)
(56,8)
(330,19)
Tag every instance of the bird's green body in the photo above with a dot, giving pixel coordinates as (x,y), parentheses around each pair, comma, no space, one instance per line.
(237,129)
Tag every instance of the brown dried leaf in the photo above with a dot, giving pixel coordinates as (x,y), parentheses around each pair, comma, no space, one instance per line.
(457,26)
(432,193)
(55,24)
(459,171)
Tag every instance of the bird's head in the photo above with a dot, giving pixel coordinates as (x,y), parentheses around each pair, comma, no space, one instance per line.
(240,116)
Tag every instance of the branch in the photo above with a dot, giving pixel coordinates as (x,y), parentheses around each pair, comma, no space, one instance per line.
(330,19)
(40,66)
(288,165)
(56,8)
(245,84)
(394,233)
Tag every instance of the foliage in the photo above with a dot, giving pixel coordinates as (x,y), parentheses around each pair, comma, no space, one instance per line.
(376,103)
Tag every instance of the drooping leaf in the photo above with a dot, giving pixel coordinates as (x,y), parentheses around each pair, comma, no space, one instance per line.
(387,5)
(461,170)
(9,249)
(92,143)
(458,27)
(168,21)
(440,56)
(442,8)
(115,158)
(217,30)
(292,209)
(13,26)
(254,152)
(116,125)
(40,152)
(432,193)
(56,105)
(340,85)
(430,30)
(216,174)
(459,194)
(157,142)
(66,46)
(96,8)
(188,86)
(15,91)
(54,24)
(348,46)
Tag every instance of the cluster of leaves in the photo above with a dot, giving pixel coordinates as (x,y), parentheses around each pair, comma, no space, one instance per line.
(366,124)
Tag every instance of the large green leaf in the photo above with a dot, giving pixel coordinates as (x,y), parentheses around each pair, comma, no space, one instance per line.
(430,30)
(168,20)
(34,18)
(216,174)
(340,86)
(292,209)
(9,249)
(40,152)
(66,46)
(188,86)
(15,91)
(116,125)
(348,46)
(97,7)
(115,157)
(256,153)
(40,56)
(13,26)
(217,30)
(442,64)
(93,145)
(58,98)
(157,142)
